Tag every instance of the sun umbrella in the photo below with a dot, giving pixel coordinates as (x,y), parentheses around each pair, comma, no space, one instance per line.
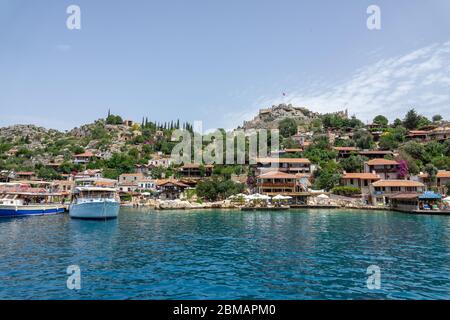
(281,197)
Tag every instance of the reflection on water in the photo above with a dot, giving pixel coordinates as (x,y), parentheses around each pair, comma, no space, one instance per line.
(227,255)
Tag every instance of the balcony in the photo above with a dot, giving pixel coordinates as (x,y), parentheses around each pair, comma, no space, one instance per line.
(276,185)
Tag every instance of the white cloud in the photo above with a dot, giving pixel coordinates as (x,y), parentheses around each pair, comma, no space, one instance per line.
(419,79)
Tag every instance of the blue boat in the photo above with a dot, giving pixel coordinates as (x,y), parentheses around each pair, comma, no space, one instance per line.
(17,203)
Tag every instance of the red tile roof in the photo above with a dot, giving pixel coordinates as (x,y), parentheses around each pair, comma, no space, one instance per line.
(345,148)
(397,183)
(381,162)
(443,174)
(283,160)
(276,175)
(85,154)
(362,176)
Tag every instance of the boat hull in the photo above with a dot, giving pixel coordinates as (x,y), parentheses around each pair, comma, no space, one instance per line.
(95,210)
(29,210)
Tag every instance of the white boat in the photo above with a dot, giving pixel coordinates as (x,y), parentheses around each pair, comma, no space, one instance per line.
(94,203)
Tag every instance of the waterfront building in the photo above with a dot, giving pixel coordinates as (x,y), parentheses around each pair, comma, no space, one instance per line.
(275,183)
(146,184)
(442,180)
(286,165)
(426,202)
(63,187)
(363,180)
(381,191)
(130,187)
(170,189)
(386,169)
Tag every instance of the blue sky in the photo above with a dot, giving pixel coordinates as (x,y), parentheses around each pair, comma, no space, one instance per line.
(220,61)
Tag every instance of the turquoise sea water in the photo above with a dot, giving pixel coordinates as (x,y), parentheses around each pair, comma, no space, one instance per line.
(317,254)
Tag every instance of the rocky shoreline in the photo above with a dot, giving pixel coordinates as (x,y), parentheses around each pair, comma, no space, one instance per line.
(227,204)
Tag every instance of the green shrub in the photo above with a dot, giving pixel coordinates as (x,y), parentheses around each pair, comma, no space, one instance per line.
(346,191)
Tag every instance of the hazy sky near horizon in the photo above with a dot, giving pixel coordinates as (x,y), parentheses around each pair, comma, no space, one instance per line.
(220,61)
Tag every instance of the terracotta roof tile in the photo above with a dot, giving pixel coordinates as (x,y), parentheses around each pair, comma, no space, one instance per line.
(443,174)
(381,162)
(362,176)
(397,183)
(283,160)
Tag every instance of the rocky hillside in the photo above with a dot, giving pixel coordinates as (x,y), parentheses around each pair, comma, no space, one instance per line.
(270,118)
(30,135)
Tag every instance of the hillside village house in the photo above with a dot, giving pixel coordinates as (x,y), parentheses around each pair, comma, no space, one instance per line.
(84,158)
(286,152)
(419,135)
(130,178)
(381,191)
(6,176)
(25,175)
(97,182)
(142,168)
(345,152)
(196,171)
(386,169)
(163,162)
(363,181)
(90,173)
(286,165)
(375,154)
(128,123)
(12,152)
(440,133)
(276,182)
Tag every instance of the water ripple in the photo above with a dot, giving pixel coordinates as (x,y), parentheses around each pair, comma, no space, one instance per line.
(227,255)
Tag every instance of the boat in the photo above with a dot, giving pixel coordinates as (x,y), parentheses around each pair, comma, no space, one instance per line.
(96,203)
(29,202)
